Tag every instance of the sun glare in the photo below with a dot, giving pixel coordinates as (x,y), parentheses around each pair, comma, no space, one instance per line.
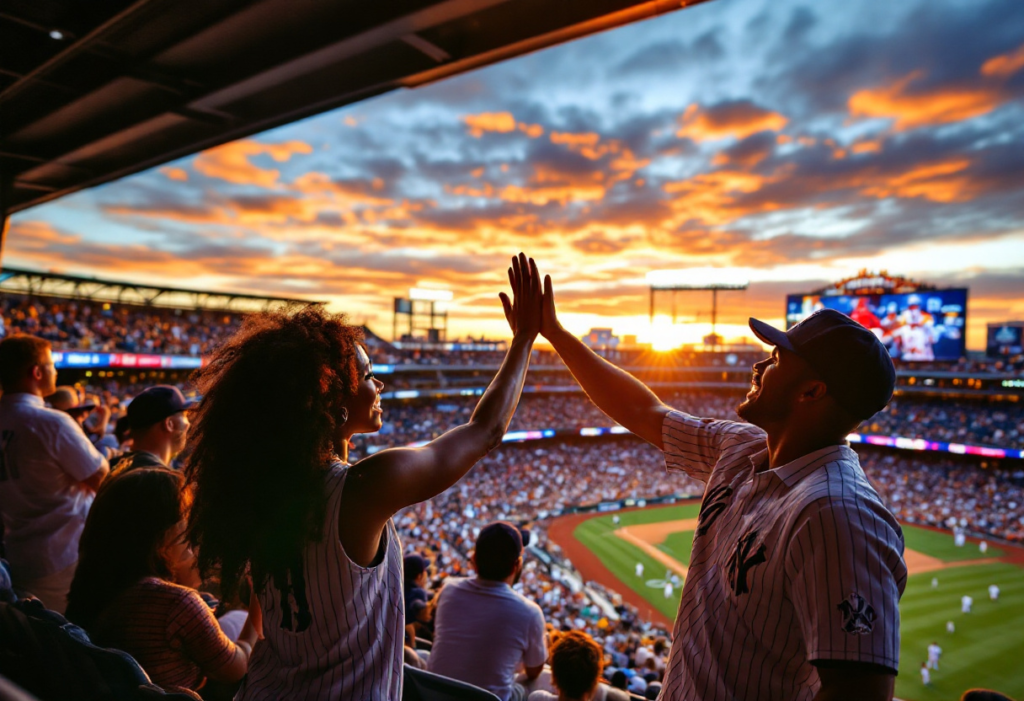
(663,335)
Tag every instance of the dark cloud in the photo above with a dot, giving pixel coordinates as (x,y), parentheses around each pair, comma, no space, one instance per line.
(948,43)
(801,22)
(672,55)
(748,152)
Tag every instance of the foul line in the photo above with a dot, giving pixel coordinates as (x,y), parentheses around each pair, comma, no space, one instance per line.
(662,557)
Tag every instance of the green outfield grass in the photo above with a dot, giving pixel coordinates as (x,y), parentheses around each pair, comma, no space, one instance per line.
(620,557)
(940,545)
(986,650)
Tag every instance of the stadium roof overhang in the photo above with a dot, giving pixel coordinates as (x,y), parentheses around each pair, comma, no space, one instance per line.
(93,91)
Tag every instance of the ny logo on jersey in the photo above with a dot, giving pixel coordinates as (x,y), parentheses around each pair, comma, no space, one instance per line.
(743,559)
(712,507)
(858,616)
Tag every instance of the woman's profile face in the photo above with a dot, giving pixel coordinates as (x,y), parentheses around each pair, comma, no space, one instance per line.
(180,559)
(364,411)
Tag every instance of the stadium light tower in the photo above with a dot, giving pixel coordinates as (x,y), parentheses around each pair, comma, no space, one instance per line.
(421,304)
(689,280)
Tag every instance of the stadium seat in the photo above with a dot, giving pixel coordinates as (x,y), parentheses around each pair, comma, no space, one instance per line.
(47,656)
(421,685)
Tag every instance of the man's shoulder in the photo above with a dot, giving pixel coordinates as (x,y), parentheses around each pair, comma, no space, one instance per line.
(36,414)
(686,425)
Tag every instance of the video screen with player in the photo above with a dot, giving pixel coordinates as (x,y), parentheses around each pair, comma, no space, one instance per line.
(919,326)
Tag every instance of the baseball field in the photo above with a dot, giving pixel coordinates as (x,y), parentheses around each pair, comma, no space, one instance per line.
(985,650)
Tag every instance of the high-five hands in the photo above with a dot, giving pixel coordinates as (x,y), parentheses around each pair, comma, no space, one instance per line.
(525,281)
(523,312)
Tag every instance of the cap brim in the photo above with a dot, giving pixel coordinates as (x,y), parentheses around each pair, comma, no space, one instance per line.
(770,335)
(81,408)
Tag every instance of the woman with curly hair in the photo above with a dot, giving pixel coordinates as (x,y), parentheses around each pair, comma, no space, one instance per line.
(274,494)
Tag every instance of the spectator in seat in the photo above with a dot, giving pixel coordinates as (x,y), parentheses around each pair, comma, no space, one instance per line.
(576,671)
(416,574)
(49,473)
(135,588)
(483,630)
(159,428)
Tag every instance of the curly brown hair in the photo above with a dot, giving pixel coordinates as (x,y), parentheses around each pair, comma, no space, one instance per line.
(263,437)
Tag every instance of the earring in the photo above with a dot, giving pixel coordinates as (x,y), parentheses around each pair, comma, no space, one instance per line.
(344,416)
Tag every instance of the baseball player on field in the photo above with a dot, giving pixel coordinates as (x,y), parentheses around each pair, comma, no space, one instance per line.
(797,568)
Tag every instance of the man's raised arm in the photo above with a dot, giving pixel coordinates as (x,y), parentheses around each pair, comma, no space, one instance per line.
(615,392)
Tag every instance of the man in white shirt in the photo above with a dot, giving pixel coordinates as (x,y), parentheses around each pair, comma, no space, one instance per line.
(483,630)
(934,652)
(797,566)
(639,569)
(926,675)
(965,603)
(993,592)
(49,473)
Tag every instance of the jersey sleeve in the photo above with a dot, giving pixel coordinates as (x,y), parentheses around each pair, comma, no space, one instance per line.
(200,638)
(694,446)
(72,450)
(845,573)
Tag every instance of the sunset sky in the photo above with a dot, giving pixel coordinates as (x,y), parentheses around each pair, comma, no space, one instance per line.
(797,141)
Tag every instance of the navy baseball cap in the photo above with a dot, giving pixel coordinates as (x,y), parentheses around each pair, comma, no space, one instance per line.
(414,565)
(853,363)
(156,404)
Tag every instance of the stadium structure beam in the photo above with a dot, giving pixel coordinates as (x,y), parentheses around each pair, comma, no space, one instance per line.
(92,92)
(37,283)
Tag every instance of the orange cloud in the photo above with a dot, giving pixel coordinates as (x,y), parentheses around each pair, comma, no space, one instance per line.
(345,194)
(575,141)
(501,123)
(1004,65)
(28,236)
(533,131)
(867,146)
(711,198)
(733,119)
(231,163)
(178,174)
(938,182)
(927,108)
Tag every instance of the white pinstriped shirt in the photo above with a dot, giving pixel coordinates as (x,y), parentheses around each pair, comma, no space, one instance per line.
(339,633)
(791,568)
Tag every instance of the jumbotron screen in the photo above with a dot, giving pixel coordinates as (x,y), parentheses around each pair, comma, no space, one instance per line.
(918,326)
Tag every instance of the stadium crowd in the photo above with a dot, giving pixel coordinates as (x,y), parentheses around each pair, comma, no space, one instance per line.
(73,324)
(999,424)
(106,327)
(527,483)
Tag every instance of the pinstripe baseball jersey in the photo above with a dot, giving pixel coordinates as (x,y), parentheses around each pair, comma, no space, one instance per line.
(337,633)
(791,568)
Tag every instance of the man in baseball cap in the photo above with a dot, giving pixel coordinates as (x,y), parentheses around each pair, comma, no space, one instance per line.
(483,629)
(797,568)
(158,426)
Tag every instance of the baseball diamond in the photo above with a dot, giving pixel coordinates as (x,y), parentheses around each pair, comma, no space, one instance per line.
(984,650)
